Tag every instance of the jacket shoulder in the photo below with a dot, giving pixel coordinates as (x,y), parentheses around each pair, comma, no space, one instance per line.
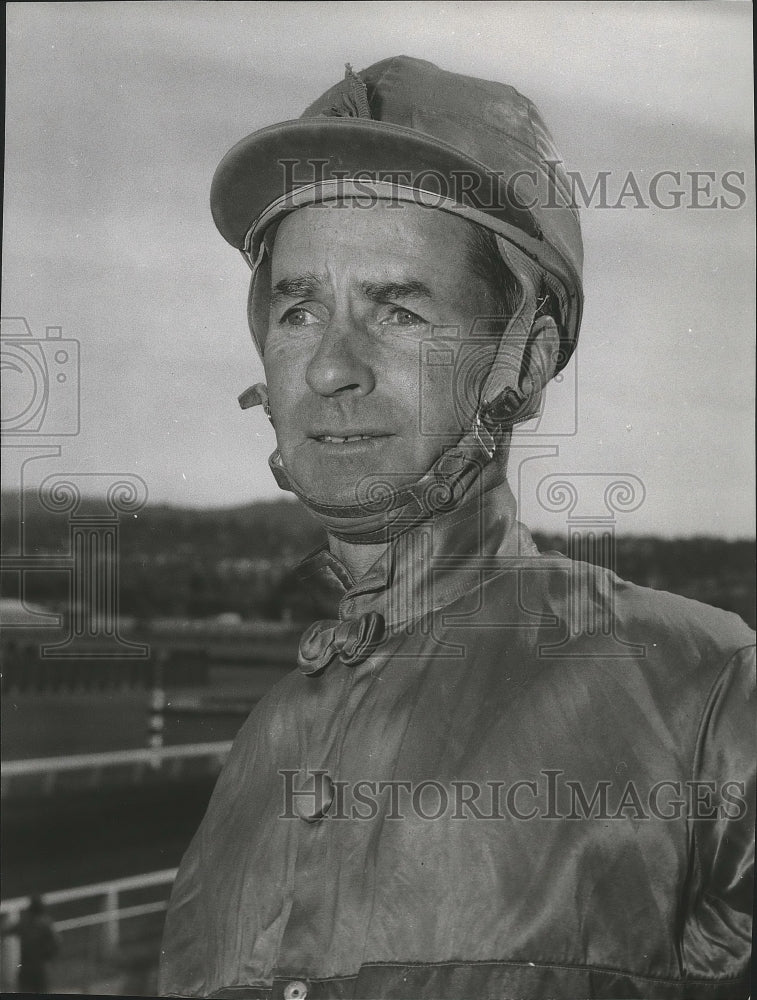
(596,611)
(696,627)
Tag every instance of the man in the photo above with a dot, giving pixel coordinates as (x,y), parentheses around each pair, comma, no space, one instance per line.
(39,945)
(493,774)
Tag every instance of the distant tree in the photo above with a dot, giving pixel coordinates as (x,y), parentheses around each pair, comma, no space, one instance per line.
(171,562)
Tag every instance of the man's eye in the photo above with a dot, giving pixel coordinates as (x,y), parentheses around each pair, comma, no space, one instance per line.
(298,317)
(402,317)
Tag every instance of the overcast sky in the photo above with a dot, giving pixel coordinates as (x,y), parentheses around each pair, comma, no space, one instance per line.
(118,113)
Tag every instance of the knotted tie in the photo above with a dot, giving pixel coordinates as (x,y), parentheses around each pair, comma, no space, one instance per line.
(352,641)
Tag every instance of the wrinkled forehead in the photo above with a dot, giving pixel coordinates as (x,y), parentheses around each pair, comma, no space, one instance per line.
(380,237)
(380,254)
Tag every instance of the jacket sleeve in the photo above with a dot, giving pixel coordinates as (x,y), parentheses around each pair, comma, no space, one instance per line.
(718,928)
(181,957)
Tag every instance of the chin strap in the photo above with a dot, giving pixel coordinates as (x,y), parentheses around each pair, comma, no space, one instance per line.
(510,394)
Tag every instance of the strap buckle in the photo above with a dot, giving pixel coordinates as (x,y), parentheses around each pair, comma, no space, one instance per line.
(483,436)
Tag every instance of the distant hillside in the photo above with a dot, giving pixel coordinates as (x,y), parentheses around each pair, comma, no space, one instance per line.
(267,529)
(197,563)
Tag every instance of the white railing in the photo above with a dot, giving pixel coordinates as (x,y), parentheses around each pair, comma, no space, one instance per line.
(108,914)
(95,763)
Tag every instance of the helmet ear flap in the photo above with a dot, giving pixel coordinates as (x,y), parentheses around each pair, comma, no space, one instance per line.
(513,390)
(256,395)
(258,297)
(514,404)
(508,408)
(259,294)
(504,400)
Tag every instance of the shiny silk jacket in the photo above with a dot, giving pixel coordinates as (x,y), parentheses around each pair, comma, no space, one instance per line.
(538,783)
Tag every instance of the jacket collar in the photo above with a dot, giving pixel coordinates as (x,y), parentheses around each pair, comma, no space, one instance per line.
(431,564)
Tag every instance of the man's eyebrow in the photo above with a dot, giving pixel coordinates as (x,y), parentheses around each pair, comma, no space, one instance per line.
(306,285)
(301,286)
(386,291)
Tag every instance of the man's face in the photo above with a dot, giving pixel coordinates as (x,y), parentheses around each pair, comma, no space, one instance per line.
(354,294)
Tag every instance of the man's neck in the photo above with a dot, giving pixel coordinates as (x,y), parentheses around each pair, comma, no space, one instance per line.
(358,559)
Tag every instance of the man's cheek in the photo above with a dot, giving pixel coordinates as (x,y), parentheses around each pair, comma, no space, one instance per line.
(286,382)
(283,356)
(439,402)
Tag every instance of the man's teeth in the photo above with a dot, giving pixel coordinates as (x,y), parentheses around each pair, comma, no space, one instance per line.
(331,439)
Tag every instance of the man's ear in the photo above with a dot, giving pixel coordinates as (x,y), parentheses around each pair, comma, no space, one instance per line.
(541,356)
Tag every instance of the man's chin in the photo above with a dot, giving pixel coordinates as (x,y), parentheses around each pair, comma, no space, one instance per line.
(343,488)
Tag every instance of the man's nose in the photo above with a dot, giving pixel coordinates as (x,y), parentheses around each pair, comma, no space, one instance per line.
(340,366)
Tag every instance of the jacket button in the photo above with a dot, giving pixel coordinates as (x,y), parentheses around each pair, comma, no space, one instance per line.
(296,990)
(313,806)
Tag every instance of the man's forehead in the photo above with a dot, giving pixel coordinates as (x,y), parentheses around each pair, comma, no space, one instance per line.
(402,242)
(351,218)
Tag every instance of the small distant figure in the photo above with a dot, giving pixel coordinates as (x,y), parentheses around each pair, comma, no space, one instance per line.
(39,944)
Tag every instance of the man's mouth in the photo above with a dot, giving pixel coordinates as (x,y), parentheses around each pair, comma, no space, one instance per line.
(349,438)
(333,439)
